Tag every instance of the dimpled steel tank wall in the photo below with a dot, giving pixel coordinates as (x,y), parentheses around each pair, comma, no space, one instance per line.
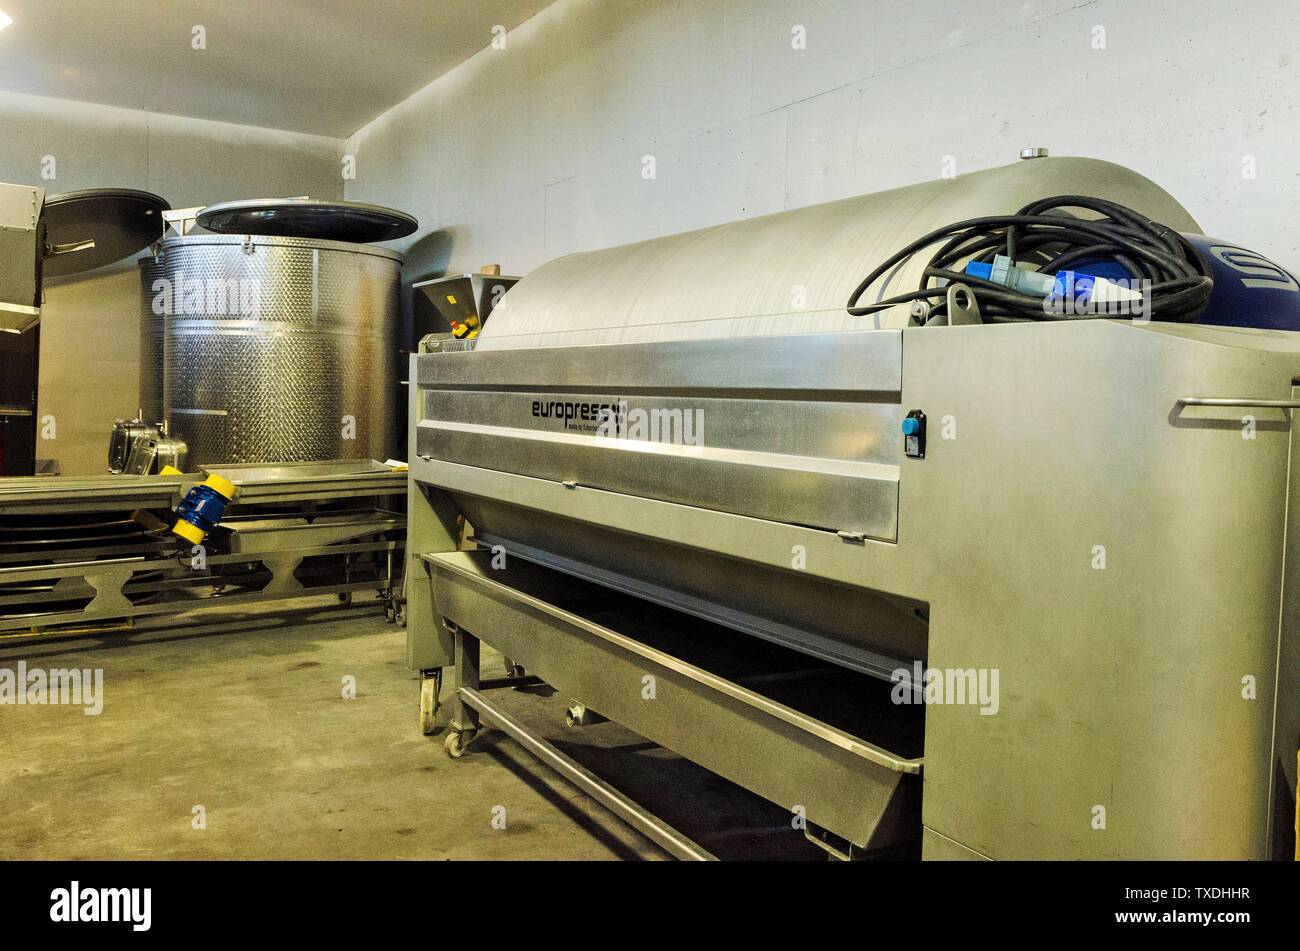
(278,349)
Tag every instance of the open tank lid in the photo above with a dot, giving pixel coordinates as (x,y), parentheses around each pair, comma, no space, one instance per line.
(89,229)
(308,218)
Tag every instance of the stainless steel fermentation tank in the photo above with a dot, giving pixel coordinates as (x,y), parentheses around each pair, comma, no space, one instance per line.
(152,326)
(800,541)
(271,349)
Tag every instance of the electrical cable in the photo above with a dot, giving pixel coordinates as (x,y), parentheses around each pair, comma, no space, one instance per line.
(1045,237)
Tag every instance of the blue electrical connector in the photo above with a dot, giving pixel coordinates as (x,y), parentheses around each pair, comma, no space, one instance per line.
(1076,286)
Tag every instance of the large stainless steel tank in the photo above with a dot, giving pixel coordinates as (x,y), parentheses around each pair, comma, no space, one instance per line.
(151,342)
(275,349)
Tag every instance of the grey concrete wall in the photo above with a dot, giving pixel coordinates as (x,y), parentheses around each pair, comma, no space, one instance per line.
(529,152)
(90,323)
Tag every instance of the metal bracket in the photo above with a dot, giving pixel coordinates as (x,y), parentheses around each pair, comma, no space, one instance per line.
(962,307)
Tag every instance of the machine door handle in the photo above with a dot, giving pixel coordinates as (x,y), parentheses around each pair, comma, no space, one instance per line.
(1237,401)
(53,249)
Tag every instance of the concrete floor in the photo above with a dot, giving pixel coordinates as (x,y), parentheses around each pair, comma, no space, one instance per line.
(241,712)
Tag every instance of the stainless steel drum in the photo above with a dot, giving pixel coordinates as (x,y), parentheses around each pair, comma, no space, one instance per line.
(278,349)
(786,273)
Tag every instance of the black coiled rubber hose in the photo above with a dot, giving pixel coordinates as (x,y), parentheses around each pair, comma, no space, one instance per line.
(1047,236)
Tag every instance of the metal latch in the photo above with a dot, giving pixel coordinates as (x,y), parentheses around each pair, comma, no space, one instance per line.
(569,484)
(852,536)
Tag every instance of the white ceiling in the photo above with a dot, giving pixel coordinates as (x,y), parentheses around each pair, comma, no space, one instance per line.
(322,66)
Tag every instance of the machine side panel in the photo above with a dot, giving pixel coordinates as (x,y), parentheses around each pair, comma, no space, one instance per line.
(431,527)
(1114,558)
(1283,815)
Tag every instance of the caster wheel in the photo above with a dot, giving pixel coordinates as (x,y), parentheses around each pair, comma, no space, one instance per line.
(455,745)
(579,714)
(430,687)
(345,597)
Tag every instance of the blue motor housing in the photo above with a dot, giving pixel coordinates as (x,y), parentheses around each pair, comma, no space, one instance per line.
(202,508)
(1249,289)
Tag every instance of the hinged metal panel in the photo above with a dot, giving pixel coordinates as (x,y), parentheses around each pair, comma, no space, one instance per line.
(798,429)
